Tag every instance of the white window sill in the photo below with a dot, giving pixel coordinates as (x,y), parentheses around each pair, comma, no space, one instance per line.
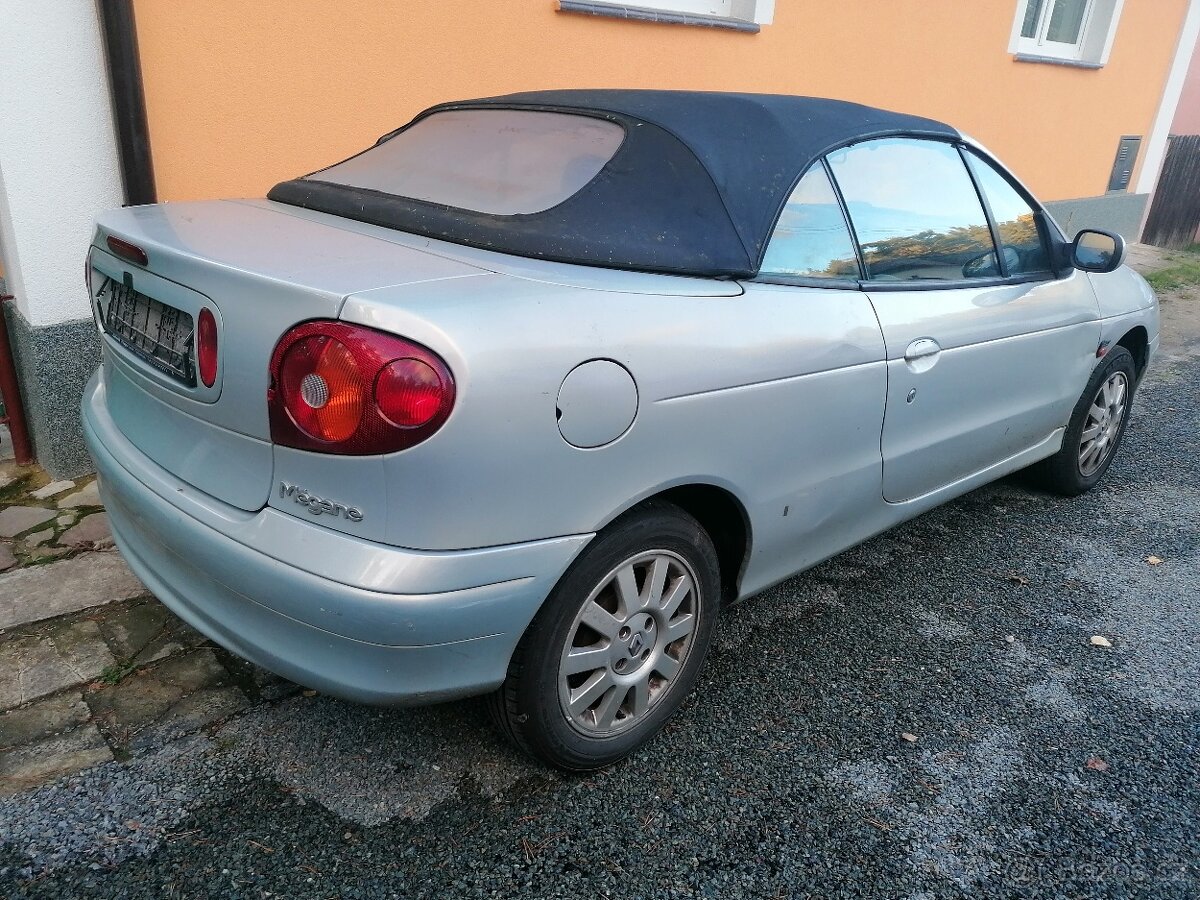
(642,14)
(1057,61)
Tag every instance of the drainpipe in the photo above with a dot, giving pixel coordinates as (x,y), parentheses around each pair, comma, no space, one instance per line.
(14,412)
(128,100)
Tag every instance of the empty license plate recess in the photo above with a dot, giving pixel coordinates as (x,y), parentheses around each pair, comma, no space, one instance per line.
(159,334)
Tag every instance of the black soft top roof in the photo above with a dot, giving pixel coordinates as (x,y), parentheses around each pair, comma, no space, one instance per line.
(695,188)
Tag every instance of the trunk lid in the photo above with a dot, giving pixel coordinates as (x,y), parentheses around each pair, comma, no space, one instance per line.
(259,273)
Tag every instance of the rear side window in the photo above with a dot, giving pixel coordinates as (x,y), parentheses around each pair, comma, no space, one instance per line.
(811,239)
(500,161)
(915,211)
(1016,227)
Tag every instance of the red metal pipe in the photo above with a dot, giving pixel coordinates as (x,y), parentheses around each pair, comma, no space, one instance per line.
(14,412)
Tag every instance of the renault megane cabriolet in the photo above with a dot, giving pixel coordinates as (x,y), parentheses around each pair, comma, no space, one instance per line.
(516,400)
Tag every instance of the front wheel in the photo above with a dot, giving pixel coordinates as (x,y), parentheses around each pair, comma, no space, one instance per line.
(617,645)
(1096,428)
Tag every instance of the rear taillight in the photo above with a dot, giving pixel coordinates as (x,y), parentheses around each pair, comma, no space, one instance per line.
(339,388)
(206,346)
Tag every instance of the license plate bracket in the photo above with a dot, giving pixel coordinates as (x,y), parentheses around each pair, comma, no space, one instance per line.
(158,334)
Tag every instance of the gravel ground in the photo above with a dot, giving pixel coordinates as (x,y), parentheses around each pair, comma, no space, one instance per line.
(923,716)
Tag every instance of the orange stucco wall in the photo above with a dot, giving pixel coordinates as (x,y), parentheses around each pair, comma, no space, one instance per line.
(242,95)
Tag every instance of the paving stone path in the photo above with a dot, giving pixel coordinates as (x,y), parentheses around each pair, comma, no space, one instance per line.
(93,668)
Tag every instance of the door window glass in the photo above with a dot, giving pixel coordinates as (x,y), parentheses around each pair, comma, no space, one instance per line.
(1020,241)
(915,211)
(811,239)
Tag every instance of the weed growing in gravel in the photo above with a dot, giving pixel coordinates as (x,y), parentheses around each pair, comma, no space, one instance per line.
(1185,272)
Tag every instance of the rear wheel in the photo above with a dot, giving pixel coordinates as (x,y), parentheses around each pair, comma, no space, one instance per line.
(618,644)
(1095,431)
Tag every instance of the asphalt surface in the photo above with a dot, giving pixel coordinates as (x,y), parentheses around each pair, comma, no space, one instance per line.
(1039,764)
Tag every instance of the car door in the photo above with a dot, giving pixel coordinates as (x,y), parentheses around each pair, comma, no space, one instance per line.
(816,441)
(986,354)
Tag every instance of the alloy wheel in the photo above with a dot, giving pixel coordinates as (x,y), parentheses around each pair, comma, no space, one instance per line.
(628,643)
(1103,423)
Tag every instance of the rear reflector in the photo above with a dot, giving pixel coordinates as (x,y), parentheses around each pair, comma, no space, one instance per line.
(206,346)
(339,388)
(128,251)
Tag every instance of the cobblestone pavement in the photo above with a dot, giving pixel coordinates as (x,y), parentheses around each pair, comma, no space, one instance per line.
(999,698)
(93,668)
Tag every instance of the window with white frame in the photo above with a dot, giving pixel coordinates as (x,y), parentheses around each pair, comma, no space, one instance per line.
(1070,31)
(728,9)
(751,13)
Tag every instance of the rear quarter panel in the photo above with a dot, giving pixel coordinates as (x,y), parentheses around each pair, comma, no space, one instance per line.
(776,395)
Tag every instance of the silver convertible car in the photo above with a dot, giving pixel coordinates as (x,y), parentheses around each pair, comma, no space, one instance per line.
(517,400)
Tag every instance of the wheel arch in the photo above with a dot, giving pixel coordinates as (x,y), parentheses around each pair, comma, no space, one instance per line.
(1137,341)
(722,515)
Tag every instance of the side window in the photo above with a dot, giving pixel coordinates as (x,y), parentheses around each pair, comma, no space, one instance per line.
(811,239)
(1016,228)
(915,211)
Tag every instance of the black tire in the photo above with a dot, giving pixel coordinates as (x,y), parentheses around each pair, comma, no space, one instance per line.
(528,707)
(1062,473)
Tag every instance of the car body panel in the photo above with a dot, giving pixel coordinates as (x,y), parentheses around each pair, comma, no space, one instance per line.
(288,540)
(702,368)
(965,407)
(1122,292)
(261,272)
(264,272)
(618,281)
(224,464)
(305,601)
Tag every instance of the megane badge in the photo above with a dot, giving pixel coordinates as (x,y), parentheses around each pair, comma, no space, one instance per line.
(319,506)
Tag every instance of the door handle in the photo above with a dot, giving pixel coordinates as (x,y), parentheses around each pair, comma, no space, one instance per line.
(922,354)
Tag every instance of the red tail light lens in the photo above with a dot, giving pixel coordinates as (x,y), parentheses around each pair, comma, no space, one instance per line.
(206,346)
(408,392)
(340,388)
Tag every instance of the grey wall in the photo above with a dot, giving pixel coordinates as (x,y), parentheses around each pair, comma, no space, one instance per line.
(54,363)
(1119,212)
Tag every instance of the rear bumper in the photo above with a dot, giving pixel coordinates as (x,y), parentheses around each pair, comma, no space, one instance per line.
(351,618)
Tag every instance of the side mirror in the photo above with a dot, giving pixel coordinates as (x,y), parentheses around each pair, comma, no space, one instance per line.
(1097,251)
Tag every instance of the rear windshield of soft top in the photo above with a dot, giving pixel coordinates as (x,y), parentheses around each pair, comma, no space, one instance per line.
(495,161)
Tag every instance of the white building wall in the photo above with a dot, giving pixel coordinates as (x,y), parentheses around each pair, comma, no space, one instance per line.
(58,154)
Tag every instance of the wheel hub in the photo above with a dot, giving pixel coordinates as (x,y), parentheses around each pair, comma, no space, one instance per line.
(635,644)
